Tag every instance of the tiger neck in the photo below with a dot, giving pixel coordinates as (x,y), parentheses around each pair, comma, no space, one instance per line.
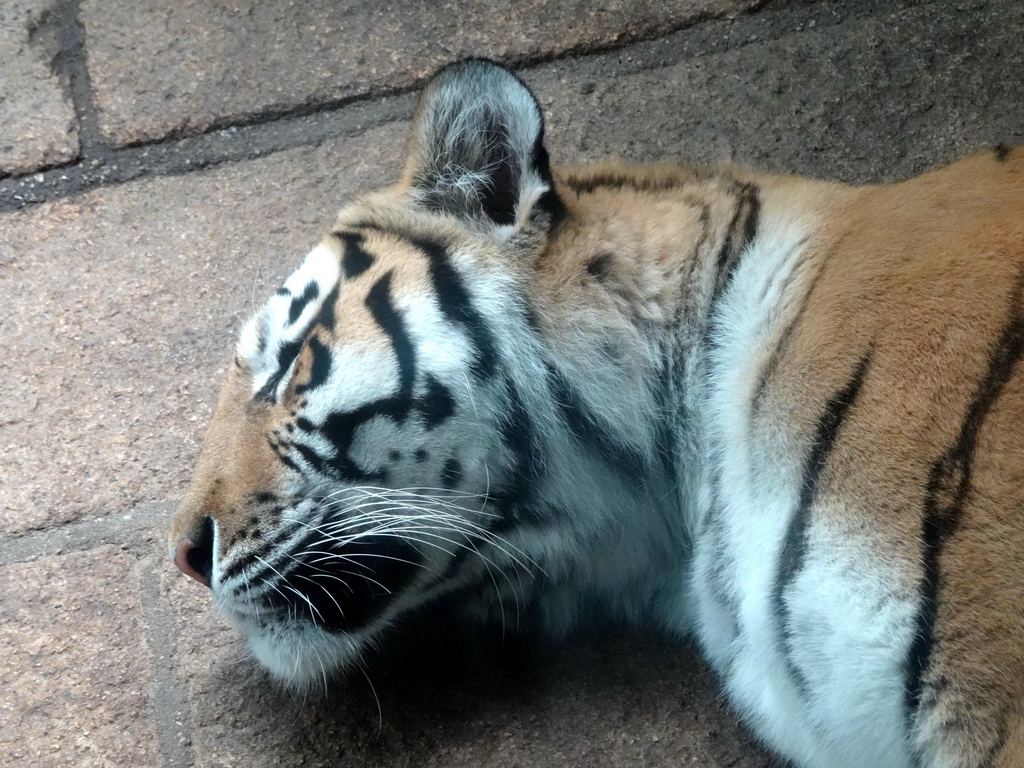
(660,275)
(635,309)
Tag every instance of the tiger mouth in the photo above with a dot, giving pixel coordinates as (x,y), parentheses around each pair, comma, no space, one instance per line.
(342,570)
(337,589)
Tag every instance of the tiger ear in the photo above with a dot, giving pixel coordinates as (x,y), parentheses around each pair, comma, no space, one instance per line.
(477,150)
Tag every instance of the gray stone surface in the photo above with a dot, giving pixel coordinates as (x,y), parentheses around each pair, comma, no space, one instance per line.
(176,68)
(120,307)
(867,99)
(74,664)
(37,119)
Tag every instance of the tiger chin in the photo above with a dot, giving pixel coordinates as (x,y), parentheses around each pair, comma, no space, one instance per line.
(779,415)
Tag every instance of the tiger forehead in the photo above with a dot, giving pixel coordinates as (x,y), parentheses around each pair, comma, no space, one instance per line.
(335,296)
(369,251)
(377,268)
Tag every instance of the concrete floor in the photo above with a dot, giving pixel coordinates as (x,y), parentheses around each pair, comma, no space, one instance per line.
(162,166)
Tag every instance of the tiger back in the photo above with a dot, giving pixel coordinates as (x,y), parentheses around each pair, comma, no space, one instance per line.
(773,413)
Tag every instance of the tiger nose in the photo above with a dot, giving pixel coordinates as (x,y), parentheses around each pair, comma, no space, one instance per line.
(194,554)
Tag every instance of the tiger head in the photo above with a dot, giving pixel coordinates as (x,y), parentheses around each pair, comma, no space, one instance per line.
(387,430)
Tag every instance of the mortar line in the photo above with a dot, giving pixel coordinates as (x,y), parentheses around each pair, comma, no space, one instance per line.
(70,66)
(316,105)
(121,528)
(171,715)
(199,152)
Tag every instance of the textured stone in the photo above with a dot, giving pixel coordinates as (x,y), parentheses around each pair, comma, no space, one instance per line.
(37,120)
(866,100)
(119,312)
(175,68)
(74,668)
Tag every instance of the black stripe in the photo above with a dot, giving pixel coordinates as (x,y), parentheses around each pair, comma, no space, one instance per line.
(704,221)
(591,431)
(378,301)
(326,316)
(266,551)
(512,499)
(520,436)
(355,260)
(339,428)
(772,364)
(249,559)
(286,355)
(549,202)
(299,302)
(457,306)
(1002,152)
(623,180)
(436,405)
(794,547)
(311,457)
(451,473)
(599,267)
(948,490)
(740,233)
(320,370)
(261,337)
(287,461)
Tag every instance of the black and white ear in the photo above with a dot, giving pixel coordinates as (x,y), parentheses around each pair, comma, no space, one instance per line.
(477,149)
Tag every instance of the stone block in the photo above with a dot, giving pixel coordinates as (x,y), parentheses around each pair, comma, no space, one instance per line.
(38,128)
(74,665)
(120,311)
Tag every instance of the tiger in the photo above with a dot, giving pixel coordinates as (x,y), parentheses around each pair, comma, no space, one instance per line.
(769,413)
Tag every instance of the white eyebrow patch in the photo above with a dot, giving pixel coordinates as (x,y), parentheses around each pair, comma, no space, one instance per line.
(270,341)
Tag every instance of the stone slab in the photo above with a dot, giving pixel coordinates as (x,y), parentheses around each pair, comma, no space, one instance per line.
(37,120)
(74,667)
(120,308)
(600,702)
(862,100)
(162,69)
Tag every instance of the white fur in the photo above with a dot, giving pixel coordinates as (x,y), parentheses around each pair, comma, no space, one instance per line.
(321,266)
(849,643)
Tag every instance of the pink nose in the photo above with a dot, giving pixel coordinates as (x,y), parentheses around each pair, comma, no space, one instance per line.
(194,553)
(183,556)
